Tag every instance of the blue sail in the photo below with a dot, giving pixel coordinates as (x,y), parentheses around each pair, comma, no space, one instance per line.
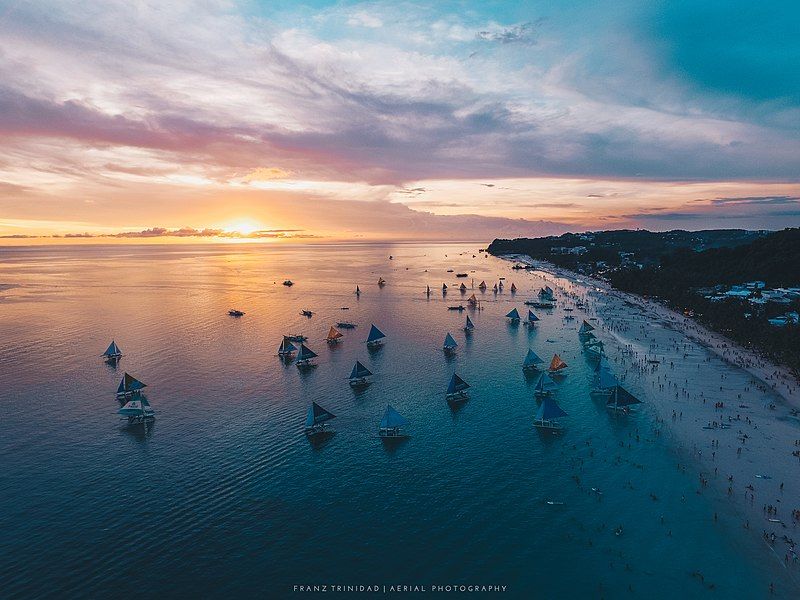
(513,314)
(532,318)
(129,384)
(545,383)
(317,415)
(286,346)
(606,379)
(112,350)
(359,371)
(305,353)
(585,327)
(531,358)
(456,384)
(548,410)
(621,397)
(469,324)
(449,342)
(392,418)
(375,334)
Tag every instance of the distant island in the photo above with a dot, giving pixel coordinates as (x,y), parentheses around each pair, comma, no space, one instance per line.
(743,284)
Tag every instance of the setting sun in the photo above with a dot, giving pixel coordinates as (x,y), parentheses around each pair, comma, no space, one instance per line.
(245,226)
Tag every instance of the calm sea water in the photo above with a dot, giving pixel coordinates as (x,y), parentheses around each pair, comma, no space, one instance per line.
(225,497)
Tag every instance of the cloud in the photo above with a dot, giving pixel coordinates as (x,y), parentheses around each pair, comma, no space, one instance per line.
(514,34)
(754,201)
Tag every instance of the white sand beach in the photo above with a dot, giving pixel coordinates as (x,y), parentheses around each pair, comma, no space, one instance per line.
(735,413)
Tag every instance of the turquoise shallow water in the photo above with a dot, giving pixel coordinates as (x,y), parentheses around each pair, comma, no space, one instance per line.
(224,496)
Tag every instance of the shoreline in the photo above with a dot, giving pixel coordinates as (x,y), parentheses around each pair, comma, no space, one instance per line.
(731,413)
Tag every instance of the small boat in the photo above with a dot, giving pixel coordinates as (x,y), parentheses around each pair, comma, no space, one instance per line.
(333,336)
(482,286)
(381,282)
(306,313)
(532,318)
(444,288)
(461,275)
(549,411)
(375,337)
(288,283)
(545,386)
(346,325)
(305,356)
(112,353)
(457,389)
(500,287)
(494,289)
(297,337)
(317,419)
(450,344)
(458,307)
(513,315)
(569,318)
(391,423)
(621,399)
(359,374)
(137,411)
(129,387)
(513,288)
(568,309)
(557,365)
(358,291)
(539,304)
(469,325)
(235,313)
(286,348)
(531,361)
(449,270)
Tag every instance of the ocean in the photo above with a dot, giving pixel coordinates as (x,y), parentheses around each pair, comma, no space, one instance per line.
(224,496)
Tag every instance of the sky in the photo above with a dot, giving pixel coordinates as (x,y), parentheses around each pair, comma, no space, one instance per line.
(317,120)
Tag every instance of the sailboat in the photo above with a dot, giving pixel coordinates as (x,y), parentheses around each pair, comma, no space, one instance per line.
(304,357)
(513,314)
(457,389)
(494,289)
(469,326)
(137,411)
(375,337)
(547,414)
(449,343)
(513,288)
(333,336)
(427,290)
(546,293)
(358,291)
(462,288)
(391,423)
(129,387)
(531,361)
(594,350)
(444,289)
(286,348)
(604,380)
(359,374)
(112,353)
(532,318)
(381,282)
(545,386)
(500,287)
(557,365)
(482,286)
(585,329)
(621,399)
(472,300)
(317,419)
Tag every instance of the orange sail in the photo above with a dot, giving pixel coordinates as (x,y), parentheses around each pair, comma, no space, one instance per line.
(557,364)
(482,286)
(333,335)
(472,299)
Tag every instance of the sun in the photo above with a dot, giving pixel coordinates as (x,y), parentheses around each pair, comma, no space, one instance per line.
(244,226)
